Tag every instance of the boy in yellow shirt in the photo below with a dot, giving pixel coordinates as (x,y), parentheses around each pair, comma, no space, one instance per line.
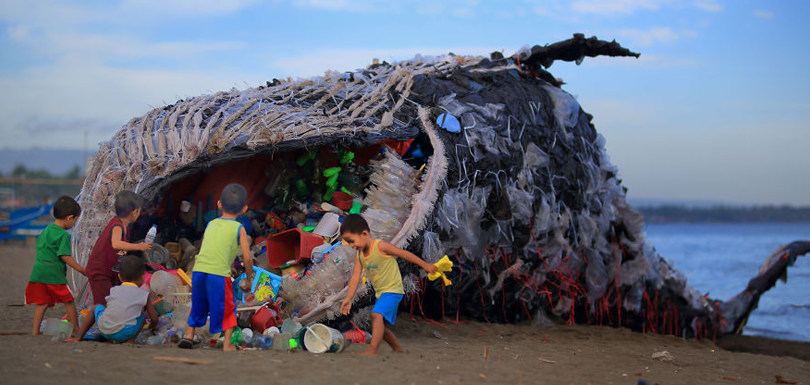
(377,259)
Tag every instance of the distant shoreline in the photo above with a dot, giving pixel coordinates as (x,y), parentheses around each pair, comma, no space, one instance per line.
(725,214)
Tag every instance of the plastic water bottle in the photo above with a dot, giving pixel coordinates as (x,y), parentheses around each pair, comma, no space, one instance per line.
(265,342)
(150,236)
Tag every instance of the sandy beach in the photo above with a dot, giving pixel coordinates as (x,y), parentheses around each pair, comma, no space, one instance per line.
(465,353)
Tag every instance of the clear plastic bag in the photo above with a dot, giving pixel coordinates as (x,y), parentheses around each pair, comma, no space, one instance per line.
(520,202)
(432,249)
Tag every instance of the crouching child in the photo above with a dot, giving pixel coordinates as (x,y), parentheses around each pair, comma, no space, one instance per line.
(122,318)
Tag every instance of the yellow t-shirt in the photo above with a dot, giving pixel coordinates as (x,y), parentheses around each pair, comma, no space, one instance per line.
(382,270)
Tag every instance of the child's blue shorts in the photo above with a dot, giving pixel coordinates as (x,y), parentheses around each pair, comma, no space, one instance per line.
(387,305)
(212,295)
(124,334)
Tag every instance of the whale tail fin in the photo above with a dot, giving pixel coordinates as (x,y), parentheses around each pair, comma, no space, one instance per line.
(737,309)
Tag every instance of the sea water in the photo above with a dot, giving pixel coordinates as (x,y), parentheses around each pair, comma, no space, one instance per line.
(720,259)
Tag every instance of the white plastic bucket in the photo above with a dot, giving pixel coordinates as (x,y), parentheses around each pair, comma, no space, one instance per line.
(328,226)
(320,338)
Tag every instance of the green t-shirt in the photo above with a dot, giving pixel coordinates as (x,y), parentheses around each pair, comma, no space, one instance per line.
(219,247)
(52,243)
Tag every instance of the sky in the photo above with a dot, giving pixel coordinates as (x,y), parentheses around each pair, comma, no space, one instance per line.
(715,109)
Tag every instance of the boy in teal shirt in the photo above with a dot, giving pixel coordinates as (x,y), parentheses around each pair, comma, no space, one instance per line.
(211,285)
(47,284)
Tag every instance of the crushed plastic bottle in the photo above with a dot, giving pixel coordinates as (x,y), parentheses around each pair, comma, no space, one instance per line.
(142,337)
(165,322)
(176,335)
(155,341)
(263,342)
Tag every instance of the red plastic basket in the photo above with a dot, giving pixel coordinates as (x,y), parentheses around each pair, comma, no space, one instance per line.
(291,246)
(266,317)
(342,200)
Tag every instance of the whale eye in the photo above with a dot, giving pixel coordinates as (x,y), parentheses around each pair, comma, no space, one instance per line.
(449,123)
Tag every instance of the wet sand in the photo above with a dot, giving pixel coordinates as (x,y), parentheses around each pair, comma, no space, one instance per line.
(466,353)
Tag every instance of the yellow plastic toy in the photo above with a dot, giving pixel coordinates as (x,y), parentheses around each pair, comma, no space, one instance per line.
(184,277)
(445,265)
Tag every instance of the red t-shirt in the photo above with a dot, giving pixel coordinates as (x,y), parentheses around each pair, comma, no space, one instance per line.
(103,256)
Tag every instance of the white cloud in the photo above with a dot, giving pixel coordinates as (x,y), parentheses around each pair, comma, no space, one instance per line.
(64,30)
(616,7)
(329,5)
(629,7)
(185,7)
(651,36)
(55,14)
(708,5)
(691,33)
(555,11)
(119,46)
(97,95)
(458,8)
(18,33)
(462,12)
(762,14)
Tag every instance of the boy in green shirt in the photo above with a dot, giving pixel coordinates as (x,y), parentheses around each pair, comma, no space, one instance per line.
(47,284)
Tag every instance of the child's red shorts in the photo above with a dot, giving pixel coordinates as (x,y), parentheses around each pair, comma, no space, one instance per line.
(47,293)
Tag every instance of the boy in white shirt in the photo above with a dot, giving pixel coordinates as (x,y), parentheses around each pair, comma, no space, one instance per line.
(122,318)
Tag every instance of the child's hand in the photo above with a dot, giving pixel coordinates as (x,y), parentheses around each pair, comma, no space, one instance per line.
(145,246)
(430,269)
(82,271)
(346,306)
